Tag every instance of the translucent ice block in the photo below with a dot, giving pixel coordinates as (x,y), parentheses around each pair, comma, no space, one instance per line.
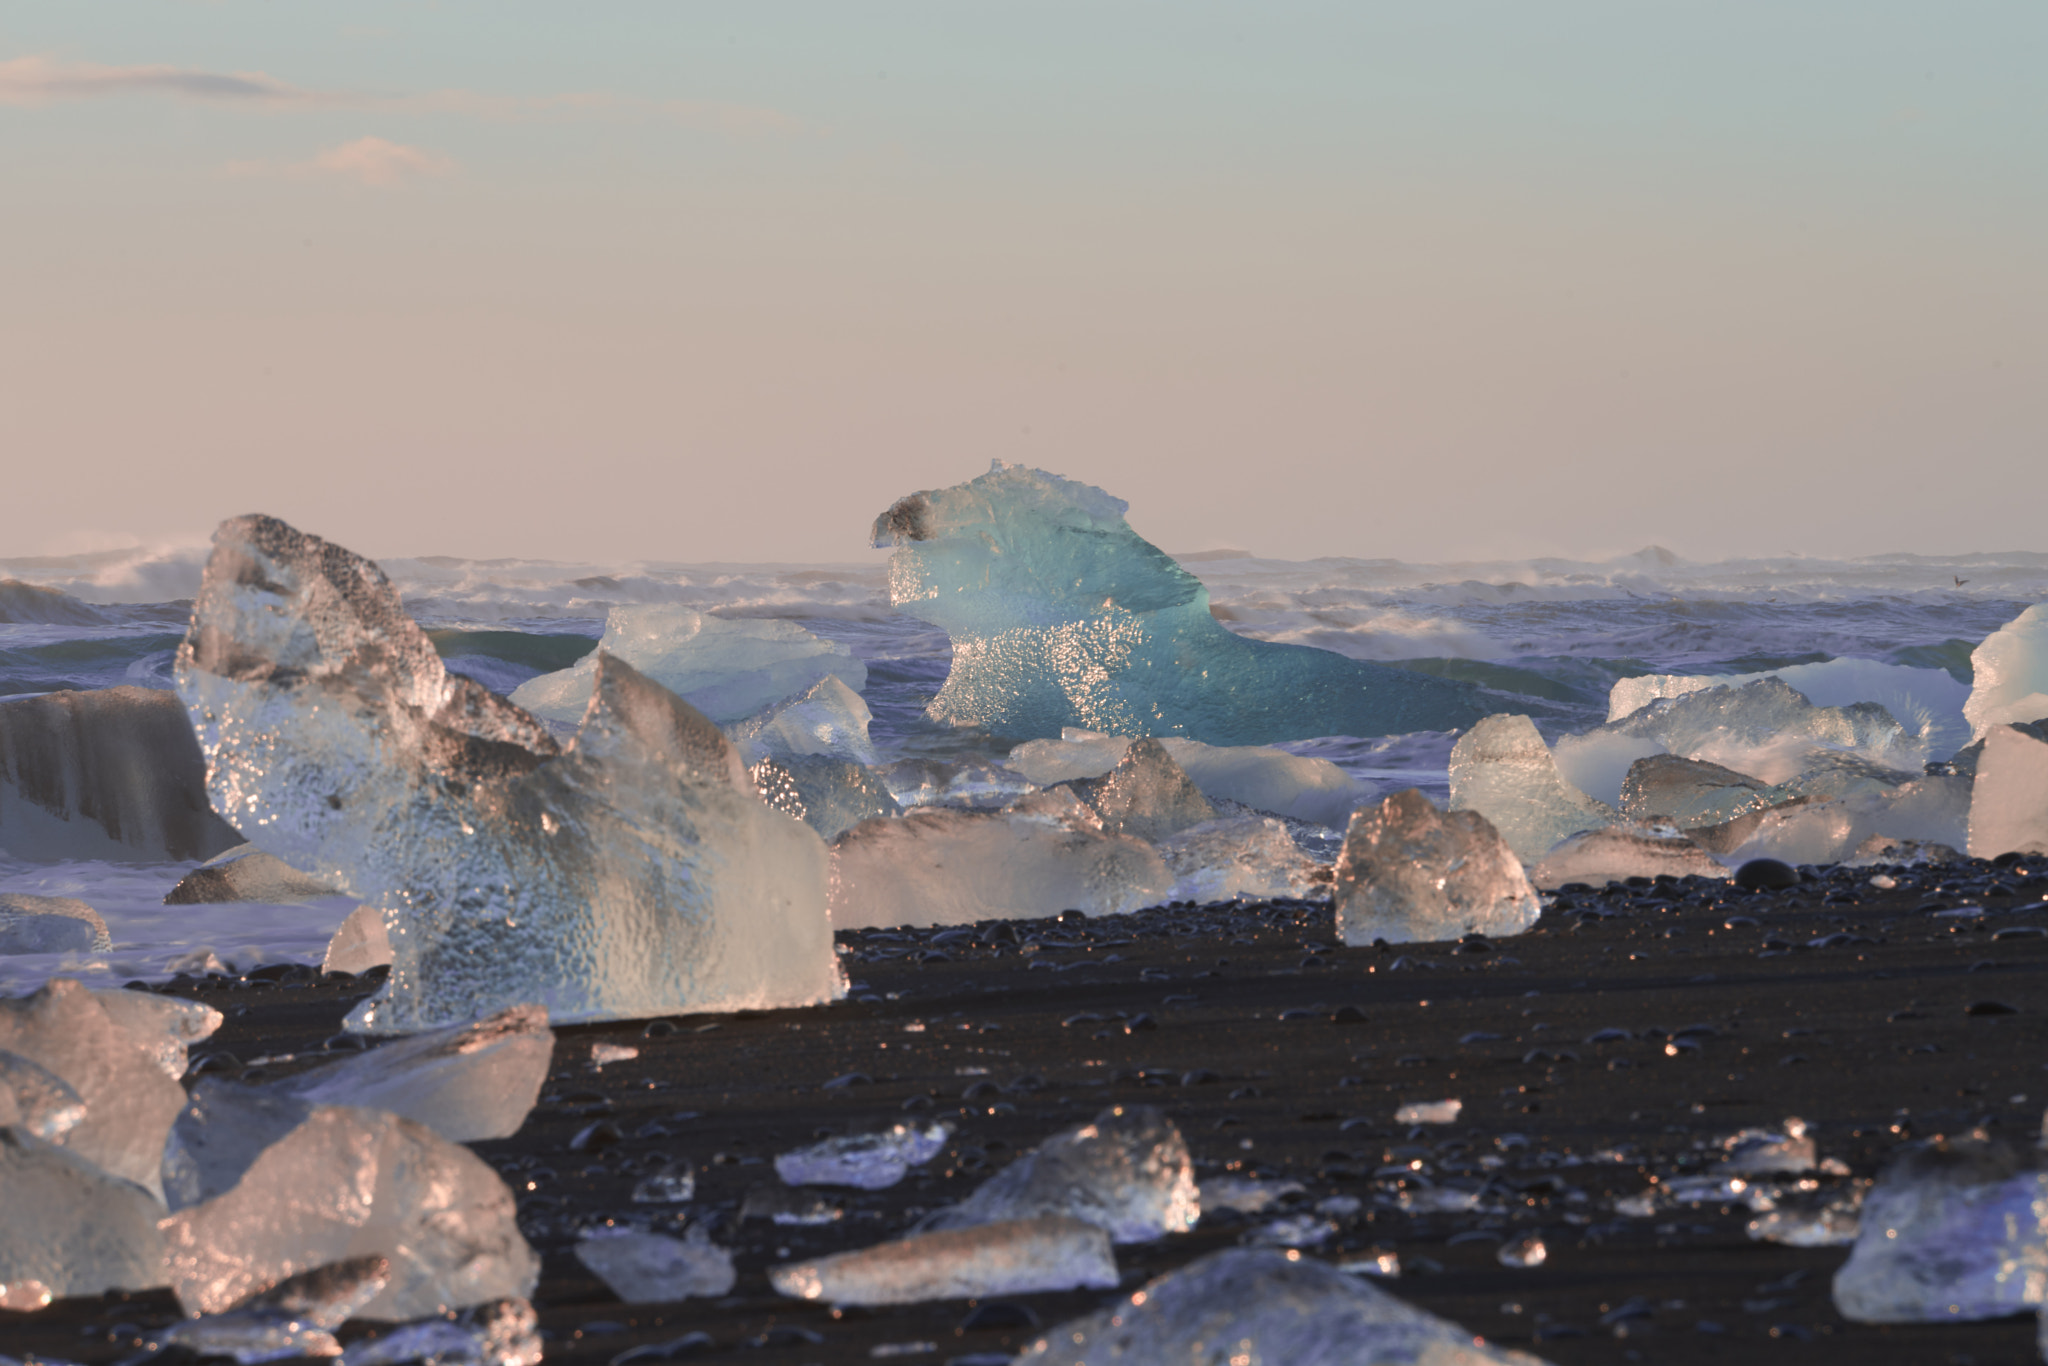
(1262,1306)
(164,1026)
(68,1227)
(1010,1257)
(295,1318)
(2009,807)
(36,1100)
(829,795)
(361,943)
(1929,701)
(1666,789)
(351,1183)
(1502,769)
(1257,776)
(50,924)
(220,1133)
(246,873)
(2010,670)
(1146,794)
(1767,729)
(649,1268)
(1931,810)
(726,669)
(636,874)
(1127,1171)
(1247,856)
(866,1161)
(830,721)
(1061,615)
(466,1083)
(1410,872)
(1603,856)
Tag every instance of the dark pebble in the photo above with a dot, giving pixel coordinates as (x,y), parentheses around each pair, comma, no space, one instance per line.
(1990,1008)
(992,1314)
(1766,875)
(850,1079)
(597,1136)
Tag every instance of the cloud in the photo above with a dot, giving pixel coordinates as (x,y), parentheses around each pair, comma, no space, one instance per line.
(367,160)
(39,80)
(725,117)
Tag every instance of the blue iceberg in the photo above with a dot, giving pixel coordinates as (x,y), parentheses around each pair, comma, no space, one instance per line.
(1061,615)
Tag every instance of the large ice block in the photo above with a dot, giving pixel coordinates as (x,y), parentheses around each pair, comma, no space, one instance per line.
(224,1127)
(1952,1230)
(109,773)
(1930,702)
(69,1228)
(726,669)
(1924,811)
(1127,1171)
(1410,872)
(351,1183)
(1766,729)
(129,1102)
(1263,1308)
(829,795)
(1502,769)
(246,873)
(50,924)
(1147,795)
(1603,856)
(637,874)
(466,1083)
(869,1162)
(1009,1257)
(1240,856)
(828,721)
(1257,776)
(1061,615)
(37,1100)
(2010,670)
(946,866)
(2009,806)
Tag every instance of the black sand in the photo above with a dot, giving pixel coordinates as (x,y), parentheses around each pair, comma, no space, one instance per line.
(1867,1013)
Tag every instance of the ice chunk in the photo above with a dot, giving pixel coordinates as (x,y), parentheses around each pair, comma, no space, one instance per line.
(1597,763)
(1429,1112)
(220,1133)
(1931,810)
(1410,872)
(36,1100)
(830,721)
(129,1102)
(109,773)
(70,1228)
(1502,769)
(294,1318)
(500,1333)
(1011,1257)
(674,1183)
(1761,1152)
(1257,776)
(648,1268)
(1061,615)
(1951,1231)
(164,1026)
(1262,1306)
(360,944)
(2010,670)
(1147,794)
(1833,1221)
(1665,789)
(2009,807)
(945,866)
(50,924)
(1240,856)
(466,1083)
(1604,856)
(1127,1171)
(1930,701)
(728,670)
(946,782)
(1245,1195)
(246,873)
(829,795)
(790,1208)
(350,1183)
(1766,729)
(870,1162)
(637,874)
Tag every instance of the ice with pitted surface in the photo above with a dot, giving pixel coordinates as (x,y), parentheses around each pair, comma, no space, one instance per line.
(1240,856)
(1411,873)
(1502,769)
(828,721)
(636,874)
(871,1162)
(69,1228)
(1146,794)
(1019,1256)
(829,795)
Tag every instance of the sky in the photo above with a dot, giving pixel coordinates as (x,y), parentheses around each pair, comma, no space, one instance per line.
(715,281)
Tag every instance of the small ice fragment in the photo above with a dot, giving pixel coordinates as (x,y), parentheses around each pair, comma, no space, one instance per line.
(1258,776)
(1126,1171)
(1240,856)
(2009,807)
(867,1161)
(1884,882)
(165,1026)
(501,1333)
(649,1268)
(1436,1200)
(295,1318)
(37,1100)
(363,942)
(1294,1230)
(1410,872)
(1834,1222)
(882,1351)
(604,1053)
(1759,1152)
(1267,1306)
(1502,769)
(1371,1263)
(69,1228)
(790,1208)
(1603,856)
(246,873)
(1525,1251)
(50,924)
(1244,1194)
(674,1184)
(1429,1112)
(1008,1257)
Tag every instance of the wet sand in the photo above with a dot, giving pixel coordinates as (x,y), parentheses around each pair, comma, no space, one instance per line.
(1879,1017)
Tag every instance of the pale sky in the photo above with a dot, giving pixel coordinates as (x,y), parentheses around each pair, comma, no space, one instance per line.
(697,281)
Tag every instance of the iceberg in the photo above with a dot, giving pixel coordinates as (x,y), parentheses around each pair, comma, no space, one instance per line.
(50,924)
(726,669)
(1257,776)
(1127,1172)
(947,866)
(1011,1257)
(636,874)
(350,1183)
(2011,673)
(36,1100)
(1263,1306)
(1061,615)
(110,773)
(650,1268)
(829,722)
(2009,806)
(1502,769)
(1603,856)
(1410,872)
(246,873)
(829,795)
(1950,1231)
(868,1162)
(70,1228)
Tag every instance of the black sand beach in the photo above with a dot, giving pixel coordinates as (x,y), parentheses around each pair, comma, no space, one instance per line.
(1878,1016)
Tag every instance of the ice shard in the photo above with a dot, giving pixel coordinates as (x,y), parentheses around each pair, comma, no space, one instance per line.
(651,1268)
(1258,776)
(726,669)
(2009,806)
(1011,1257)
(1061,615)
(830,721)
(636,874)
(69,1228)
(109,773)
(1263,1306)
(129,1102)
(1502,769)
(361,943)
(1952,1230)
(946,866)
(352,1183)
(1240,856)
(2010,670)
(1604,856)
(1763,728)
(1410,872)
(1127,1171)
(829,795)
(36,1100)
(246,873)
(1147,795)
(50,924)
(864,1161)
